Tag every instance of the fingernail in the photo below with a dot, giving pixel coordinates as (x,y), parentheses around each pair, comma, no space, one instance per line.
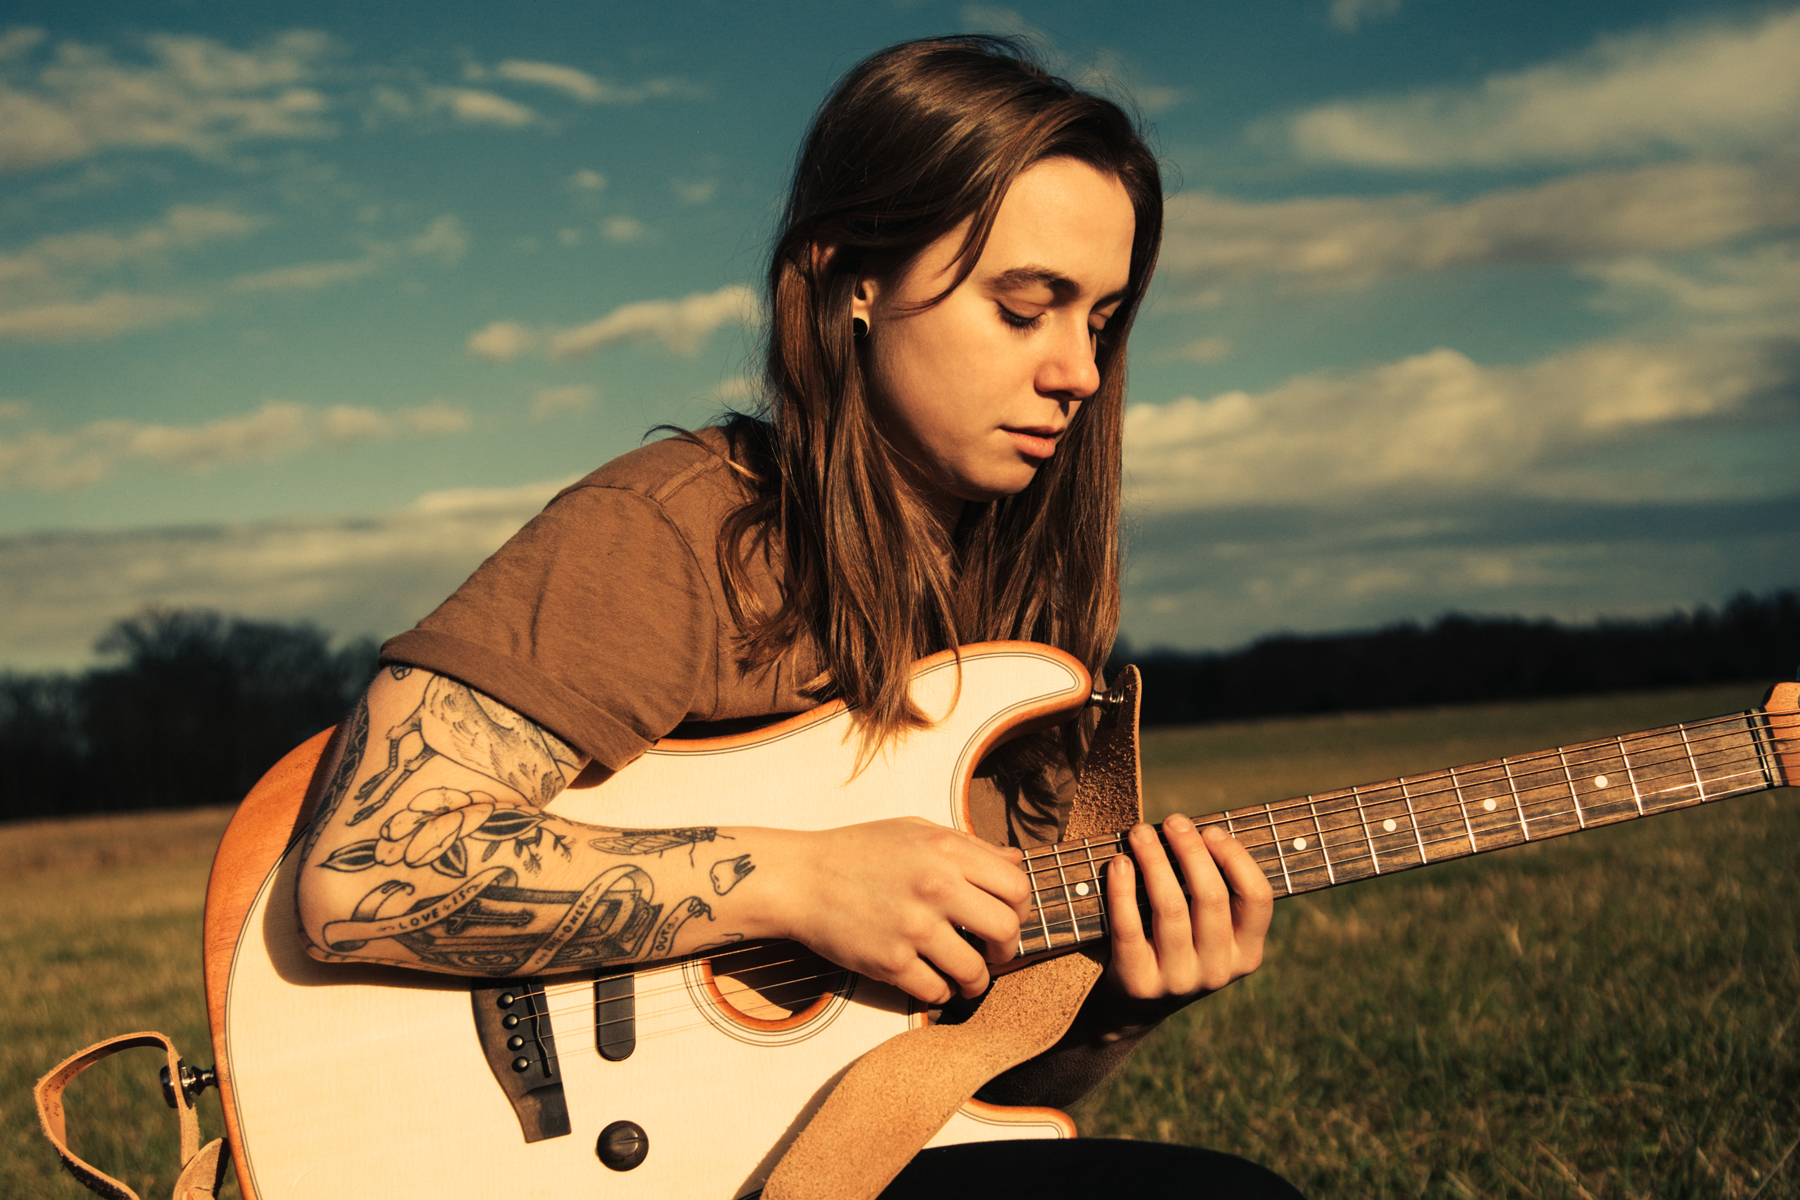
(1179,823)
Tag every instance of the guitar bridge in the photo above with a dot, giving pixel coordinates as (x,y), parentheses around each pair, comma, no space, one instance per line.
(513,1026)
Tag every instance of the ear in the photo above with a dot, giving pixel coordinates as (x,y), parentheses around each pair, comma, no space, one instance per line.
(862,300)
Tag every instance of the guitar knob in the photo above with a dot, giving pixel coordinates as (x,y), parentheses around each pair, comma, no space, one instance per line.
(622,1145)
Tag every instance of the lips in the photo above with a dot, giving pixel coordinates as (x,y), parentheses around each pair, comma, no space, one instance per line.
(1034,442)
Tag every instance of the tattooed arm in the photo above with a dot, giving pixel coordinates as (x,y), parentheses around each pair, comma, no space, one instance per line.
(431,849)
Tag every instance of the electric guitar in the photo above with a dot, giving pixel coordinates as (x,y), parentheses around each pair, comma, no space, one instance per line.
(690,1077)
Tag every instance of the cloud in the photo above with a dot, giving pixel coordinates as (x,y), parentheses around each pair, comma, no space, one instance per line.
(1440,424)
(501,341)
(47,461)
(1751,293)
(624,229)
(103,316)
(1351,241)
(476,107)
(555,401)
(681,325)
(89,252)
(1705,89)
(699,191)
(375,574)
(194,94)
(1223,578)
(303,277)
(1349,15)
(444,239)
(588,180)
(1206,350)
(579,85)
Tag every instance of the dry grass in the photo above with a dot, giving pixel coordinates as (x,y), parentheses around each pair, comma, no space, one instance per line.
(1606,1016)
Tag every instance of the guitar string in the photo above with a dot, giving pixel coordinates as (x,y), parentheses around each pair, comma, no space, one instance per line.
(1069,924)
(1066,923)
(1649,775)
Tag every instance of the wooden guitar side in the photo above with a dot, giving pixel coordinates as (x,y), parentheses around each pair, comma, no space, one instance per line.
(369,1079)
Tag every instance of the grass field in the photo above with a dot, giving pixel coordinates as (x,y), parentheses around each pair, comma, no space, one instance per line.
(1610,1015)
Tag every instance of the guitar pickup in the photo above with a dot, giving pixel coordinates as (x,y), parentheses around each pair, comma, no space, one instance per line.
(615,1016)
(513,1026)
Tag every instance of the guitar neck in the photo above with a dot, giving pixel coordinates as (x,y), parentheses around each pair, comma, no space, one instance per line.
(1308,843)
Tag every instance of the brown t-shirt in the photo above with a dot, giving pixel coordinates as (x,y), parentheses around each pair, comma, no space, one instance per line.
(604,620)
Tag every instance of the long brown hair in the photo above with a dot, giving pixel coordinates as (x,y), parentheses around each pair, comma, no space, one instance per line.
(914,141)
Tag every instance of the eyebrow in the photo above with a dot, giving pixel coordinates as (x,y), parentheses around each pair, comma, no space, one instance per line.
(1060,285)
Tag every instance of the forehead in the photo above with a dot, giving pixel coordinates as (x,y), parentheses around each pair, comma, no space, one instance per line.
(1065,218)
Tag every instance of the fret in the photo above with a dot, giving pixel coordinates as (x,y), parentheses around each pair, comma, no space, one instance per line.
(1574,797)
(1541,792)
(1324,851)
(1287,880)
(1391,832)
(1363,816)
(1297,842)
(1344,835)
(1462,806)
(1413,818)
(1637,797)
(1489,807)
(1699,784)
(1599,772)
(1513,791)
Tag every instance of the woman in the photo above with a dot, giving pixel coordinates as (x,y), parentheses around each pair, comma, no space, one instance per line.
(964,248)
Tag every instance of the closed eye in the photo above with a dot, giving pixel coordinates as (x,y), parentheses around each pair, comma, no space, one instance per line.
(1019,320)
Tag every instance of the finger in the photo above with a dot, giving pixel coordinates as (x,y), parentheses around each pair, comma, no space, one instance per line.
(988,920)
(1252,899)
(1133,958)
(1209,903)
(1002,878)
(957,961)
(922,983)
(1171,930)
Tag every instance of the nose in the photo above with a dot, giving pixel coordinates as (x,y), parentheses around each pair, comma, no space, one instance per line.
(1068,371)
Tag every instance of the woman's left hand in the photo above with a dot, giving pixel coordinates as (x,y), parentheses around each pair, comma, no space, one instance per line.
(1194,947)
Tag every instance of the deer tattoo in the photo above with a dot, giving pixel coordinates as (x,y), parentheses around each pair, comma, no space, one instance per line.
(459,723)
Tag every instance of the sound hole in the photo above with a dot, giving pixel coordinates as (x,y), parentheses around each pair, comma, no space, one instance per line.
(775,983)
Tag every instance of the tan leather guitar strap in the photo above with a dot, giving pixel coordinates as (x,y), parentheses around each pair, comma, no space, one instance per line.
(202,1167)
(893,1099)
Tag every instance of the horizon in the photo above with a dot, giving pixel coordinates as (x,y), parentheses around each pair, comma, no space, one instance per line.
(304,310)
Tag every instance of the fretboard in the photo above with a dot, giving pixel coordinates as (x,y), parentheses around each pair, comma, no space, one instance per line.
(1312,842)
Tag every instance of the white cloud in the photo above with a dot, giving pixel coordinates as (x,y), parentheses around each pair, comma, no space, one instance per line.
(78,255)
(1757,292)
(1207,350)
(588,180)
(444,239)
(555,401)
(482,108)
(1350,241)
(46,461)
(698,191)
(376,574)
(501,341)
(1438,423)
(1704,89)
(304,277)
(681,325)
(624,229)
(1349,15)
(102,316)
(580,85)
(195,95)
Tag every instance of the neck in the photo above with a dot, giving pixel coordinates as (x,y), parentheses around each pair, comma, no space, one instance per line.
(1312,842)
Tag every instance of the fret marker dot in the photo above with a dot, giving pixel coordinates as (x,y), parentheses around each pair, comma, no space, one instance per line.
(1082,889)
(1599,781)
(1299,843)
(1390,824)
(1489,805)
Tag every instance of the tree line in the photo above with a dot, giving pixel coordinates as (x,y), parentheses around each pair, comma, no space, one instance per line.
(1459,660)
(191,707)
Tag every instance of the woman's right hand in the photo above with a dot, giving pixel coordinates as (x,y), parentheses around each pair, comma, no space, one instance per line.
(892,900)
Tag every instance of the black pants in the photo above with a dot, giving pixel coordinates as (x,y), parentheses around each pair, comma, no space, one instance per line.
(1084,1169)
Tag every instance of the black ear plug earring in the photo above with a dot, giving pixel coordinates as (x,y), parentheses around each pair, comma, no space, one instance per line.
(859,328)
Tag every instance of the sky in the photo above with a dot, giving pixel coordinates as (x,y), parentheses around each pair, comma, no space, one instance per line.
(1479,308)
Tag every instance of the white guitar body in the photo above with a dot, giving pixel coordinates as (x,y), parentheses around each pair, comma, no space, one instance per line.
(354,1080)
